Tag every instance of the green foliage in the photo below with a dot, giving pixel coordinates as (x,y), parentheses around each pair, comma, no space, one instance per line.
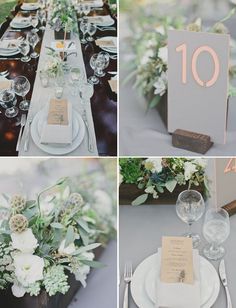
(55,280)
(130,169)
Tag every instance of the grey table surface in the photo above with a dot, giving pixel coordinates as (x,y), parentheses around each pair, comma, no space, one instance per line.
(101,290)
(141,230)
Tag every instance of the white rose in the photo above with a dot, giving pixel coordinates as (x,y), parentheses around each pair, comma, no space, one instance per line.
(146,57)
(103,203)
(160,29)
(18,290)
(68,250)
(84,270)
(201,162)
(156,164)
(24,241)
(163,54)
(161,84)
(189,169)
(28,269)
(46,205)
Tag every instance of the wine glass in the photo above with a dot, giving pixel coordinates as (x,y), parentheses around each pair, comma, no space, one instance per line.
(24,48)
(8,101)
(86,9)
(42,17)
(91,31)
(33,39)
(104,62)
(86,92)
(84,29)
(190,207)
(93,63)
(34,23)
(76,76)
(21,87)
(216,229)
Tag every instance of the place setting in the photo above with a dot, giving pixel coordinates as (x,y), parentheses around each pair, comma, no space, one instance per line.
(177,269)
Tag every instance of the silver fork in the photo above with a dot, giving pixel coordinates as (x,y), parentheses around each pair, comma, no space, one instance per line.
(26,144)
(127,279)
(90,141)
(22,124)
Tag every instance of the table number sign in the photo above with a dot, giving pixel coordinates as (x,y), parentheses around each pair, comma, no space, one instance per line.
(225,180)
(198,65)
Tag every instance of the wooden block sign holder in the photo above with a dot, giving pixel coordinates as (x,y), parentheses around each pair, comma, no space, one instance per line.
(197,89)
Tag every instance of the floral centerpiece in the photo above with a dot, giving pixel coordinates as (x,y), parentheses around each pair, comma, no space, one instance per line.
(156,176)
(63,19)
(151,55)
(46,240)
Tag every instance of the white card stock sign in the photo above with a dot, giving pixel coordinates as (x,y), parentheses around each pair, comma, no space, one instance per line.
(198,67)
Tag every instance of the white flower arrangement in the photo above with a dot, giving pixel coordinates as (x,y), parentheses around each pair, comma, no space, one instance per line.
(43,241)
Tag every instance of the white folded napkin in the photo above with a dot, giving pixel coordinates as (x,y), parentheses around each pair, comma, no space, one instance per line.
(110,42)
(58,134)
(5,83)
(9,45)
(179,295)
(100,19)
(94,3)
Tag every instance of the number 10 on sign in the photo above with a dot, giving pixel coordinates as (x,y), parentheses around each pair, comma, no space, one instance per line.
(183,49)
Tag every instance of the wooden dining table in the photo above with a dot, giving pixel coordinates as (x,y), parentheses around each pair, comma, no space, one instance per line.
(103,102)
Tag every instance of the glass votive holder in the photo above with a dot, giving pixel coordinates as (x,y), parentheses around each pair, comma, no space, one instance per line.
(58,91)
(44,78)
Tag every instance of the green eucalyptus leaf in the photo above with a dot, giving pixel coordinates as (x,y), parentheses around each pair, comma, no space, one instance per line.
(69,236)
(140,200)
(94,264)
(82,223)
(84,236)
(56,225)
(171,184)
(86,248)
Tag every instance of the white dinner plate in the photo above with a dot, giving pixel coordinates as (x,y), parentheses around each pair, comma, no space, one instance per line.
(109,49)
(106,22)
(20,26)
(9,54)
(78,128)
(29,6)
(143,283)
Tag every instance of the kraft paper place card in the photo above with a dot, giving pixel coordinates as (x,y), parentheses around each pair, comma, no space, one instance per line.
(5,84)
(198,68)
(113,85)
(177,260)
(225,180)
(58,112)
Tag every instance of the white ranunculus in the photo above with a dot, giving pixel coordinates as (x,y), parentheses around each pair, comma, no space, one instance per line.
(24,241)
(189,169)
(163,54)
(18,290)
(202,162)
(28,268)
(102,203)
(68,250)
(161,84)
(155,163)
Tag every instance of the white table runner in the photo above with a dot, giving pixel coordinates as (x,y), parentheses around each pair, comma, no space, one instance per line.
(41,96)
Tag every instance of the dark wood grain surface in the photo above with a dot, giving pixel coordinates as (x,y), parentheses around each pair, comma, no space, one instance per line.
(103,102)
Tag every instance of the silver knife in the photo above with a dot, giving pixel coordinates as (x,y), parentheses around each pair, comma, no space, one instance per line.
(223,278)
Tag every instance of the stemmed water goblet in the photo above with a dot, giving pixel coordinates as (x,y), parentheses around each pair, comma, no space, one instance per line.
(33,40)
(42,18)
(91,31)
(86,9)
(190,207)
(93,63)
(76,77)
(216,229)
(105,59)
(21,87)
(8,101)
(24,48)
(84,29)
(34,23)
(86,92)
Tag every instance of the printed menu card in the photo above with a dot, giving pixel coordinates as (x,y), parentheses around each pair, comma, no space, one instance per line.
(177,260)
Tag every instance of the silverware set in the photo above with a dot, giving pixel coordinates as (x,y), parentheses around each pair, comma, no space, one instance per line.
(223,278)
(90,139)
(26,144)
(128,273)
(22,124)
